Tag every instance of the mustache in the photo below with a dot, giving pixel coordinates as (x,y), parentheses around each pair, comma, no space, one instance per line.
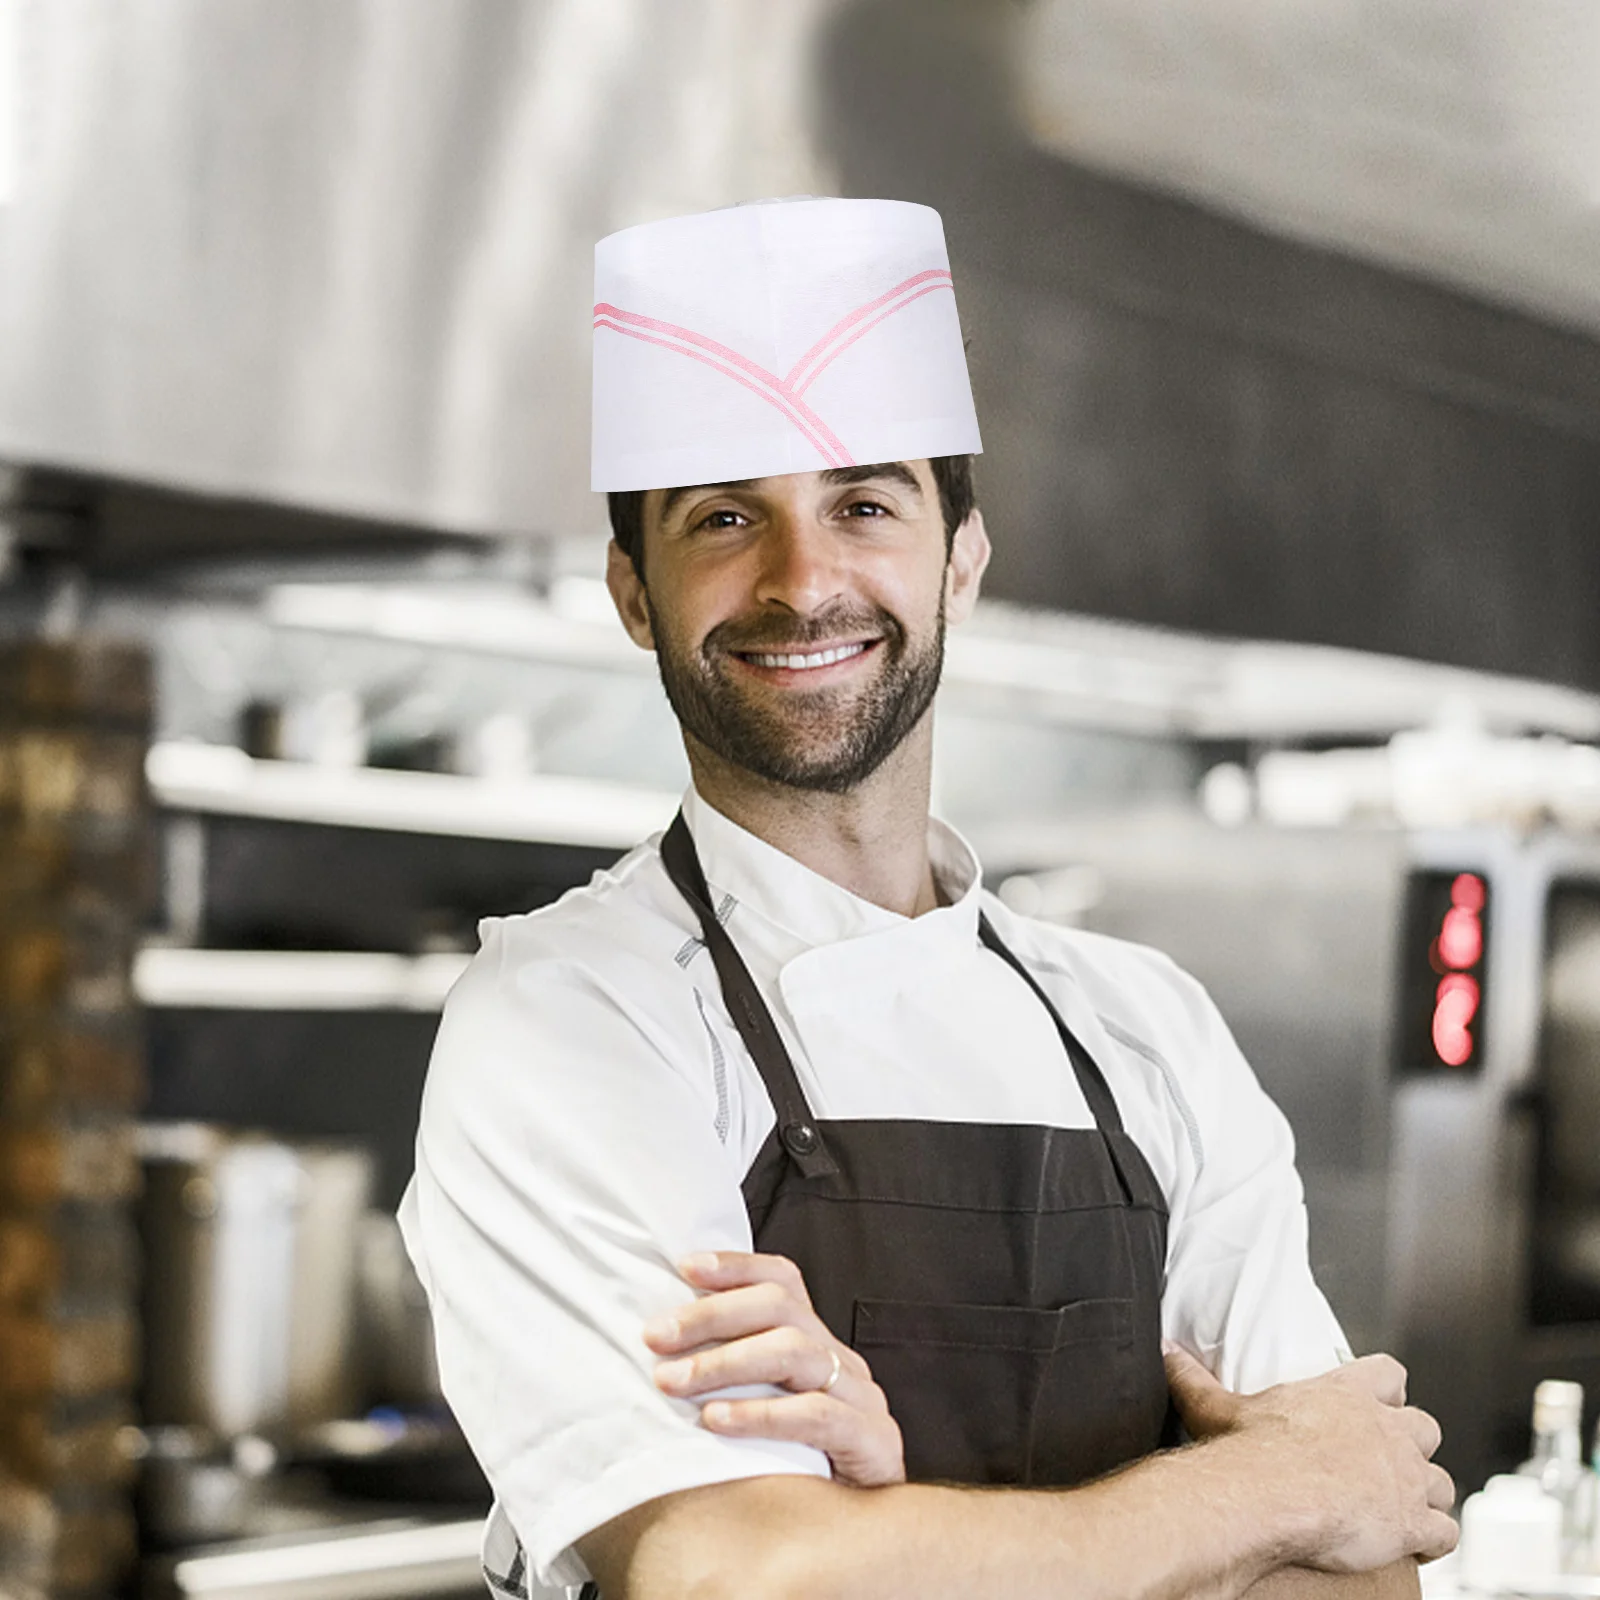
(746,635)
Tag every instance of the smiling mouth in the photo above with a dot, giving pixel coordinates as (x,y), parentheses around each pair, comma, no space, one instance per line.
(805,661)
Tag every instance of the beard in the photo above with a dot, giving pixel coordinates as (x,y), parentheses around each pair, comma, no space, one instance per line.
(826,740)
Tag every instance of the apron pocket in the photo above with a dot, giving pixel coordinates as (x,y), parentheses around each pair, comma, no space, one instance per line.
(1005,1394)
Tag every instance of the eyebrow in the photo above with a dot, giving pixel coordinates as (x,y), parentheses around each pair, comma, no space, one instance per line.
(893,471)
(671,497)
(835,477)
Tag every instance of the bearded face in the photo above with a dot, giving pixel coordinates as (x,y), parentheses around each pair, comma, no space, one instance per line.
(743,691)
(798,620)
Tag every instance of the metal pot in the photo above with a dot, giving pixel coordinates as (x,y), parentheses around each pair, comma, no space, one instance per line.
(249,1297)
(191,1490)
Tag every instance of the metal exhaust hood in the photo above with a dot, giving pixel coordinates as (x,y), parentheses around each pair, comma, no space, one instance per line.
(338,253)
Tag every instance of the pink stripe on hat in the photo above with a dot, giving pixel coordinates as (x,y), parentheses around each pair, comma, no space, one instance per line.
(799,414)
(867,327)
(944,280)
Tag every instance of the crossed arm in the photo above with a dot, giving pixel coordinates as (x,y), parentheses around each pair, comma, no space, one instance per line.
(1320,1490)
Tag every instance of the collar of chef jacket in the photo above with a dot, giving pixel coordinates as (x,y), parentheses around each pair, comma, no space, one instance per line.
(845,942)
(831,953)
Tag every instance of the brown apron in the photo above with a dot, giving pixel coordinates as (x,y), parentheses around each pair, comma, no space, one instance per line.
(1003,1282)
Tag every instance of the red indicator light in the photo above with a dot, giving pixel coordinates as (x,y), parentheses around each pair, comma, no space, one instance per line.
(1453,1011)
(1446,988)
(1461,938)
(1459,994)
(1454,1045)
(1458,947)
(1457,1006)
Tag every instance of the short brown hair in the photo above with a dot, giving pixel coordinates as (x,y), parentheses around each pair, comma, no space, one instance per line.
(951,474)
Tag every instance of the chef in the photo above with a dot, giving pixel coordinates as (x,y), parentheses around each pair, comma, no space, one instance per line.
(796,1219)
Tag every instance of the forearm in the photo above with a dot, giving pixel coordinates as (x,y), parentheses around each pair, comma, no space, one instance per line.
(1175,1525)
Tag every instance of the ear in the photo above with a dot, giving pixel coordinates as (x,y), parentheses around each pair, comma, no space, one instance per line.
(627,595)
(963,573)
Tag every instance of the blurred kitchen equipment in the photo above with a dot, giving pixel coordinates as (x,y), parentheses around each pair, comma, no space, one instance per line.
(499,748)
(1557,1465)
(261,730)
(396,1331)
(1510,1535)
(1452,773)
(250,1251)
(372,1561)
(197,1489)
(192,1490)
(1424,1004)
(327,729)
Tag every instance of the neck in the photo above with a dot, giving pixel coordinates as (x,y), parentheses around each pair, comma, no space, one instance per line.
(871,840)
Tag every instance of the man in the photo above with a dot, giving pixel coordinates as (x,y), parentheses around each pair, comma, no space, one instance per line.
(987,1166)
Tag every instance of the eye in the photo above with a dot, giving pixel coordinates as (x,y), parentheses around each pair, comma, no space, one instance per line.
(723,518)
(866,508)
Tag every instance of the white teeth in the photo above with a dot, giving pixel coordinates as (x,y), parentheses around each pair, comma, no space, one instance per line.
(820,658)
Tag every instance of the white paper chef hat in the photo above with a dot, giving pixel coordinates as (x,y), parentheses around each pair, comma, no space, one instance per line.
(782,336)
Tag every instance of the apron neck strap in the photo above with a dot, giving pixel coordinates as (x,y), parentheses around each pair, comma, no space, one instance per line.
(797,1128)
(1102,1103)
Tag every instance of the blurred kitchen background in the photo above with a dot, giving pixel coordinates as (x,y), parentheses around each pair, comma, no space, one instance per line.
(1283,323)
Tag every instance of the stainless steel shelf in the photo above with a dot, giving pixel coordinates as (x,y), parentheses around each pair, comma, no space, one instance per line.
(219,780)
(293,980)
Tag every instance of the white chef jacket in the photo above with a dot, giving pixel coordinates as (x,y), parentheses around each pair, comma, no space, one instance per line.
(590,1112)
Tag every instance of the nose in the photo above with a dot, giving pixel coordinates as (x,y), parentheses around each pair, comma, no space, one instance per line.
(800,568)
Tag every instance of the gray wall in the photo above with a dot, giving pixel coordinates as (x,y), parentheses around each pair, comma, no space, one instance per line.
(1192,423)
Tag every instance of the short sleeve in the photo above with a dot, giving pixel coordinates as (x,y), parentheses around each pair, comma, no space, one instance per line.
(1239,1291)
(567,1156)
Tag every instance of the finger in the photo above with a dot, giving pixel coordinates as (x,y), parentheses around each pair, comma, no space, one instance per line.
(1204,1405)
(732,1269)
(1423,1429)
(1381,1376)
(1440,1535)
(865,1450)
(1441,1488)
(728,1314)
(811,1418)
(783,1356)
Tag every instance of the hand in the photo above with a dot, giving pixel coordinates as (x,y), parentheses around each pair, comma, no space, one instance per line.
(755,1324)
(1345,1448)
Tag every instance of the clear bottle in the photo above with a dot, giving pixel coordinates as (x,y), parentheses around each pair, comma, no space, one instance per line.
(1588,1561)
(1557,1462)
